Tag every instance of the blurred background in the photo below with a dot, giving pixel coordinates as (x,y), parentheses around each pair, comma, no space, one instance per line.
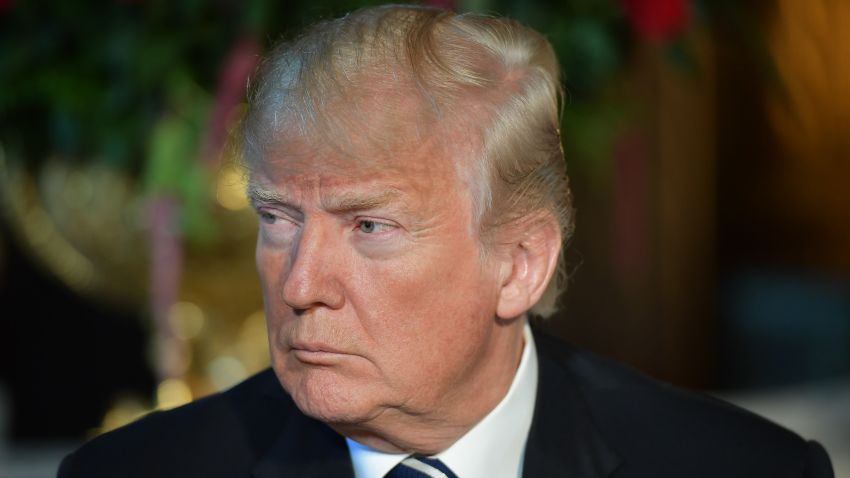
(708,144)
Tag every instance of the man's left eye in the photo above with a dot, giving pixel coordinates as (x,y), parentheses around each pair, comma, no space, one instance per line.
(370,227)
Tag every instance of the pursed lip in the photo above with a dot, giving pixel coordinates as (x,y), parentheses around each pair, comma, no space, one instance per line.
(317,353)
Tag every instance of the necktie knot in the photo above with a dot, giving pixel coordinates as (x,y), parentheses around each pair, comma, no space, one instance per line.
(421,467)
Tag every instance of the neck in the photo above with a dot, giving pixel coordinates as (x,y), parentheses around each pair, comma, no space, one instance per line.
(428,432)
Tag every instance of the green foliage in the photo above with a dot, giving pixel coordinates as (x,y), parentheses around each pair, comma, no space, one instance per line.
(592,40)
(132,83)
(91,82)
(172,167)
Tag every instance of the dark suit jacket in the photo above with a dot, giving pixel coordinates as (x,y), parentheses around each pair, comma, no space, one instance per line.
(593,419)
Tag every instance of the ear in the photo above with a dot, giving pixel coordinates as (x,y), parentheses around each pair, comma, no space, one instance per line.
(533,247)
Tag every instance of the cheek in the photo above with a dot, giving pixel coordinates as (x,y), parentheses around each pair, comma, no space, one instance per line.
(425,306)
(435,323)
(265,262)
(270,262)
(274,243)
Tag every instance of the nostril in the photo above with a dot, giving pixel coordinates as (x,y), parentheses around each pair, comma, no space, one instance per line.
(299,312)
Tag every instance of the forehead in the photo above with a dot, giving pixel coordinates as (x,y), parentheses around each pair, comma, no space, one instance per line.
(368,141)
(376,129)
(358,148)
(303,170)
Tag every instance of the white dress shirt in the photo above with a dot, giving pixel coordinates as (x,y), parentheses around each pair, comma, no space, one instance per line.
(493,448)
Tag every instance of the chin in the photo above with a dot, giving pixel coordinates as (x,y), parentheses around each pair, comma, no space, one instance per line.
(324,395)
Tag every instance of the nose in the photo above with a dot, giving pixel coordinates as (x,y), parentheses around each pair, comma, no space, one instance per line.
(312,279)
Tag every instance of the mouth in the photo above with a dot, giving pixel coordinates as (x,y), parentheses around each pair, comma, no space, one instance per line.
(317,354)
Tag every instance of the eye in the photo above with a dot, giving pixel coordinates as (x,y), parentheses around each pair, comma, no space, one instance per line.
(267,217)
(273,217)
(368,226)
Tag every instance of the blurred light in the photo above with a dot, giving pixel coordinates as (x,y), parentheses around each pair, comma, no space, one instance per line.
(171,356)
(252,344)
(230,190)
(812,113)
(78,190)
(123,412)
(172,393)
(224,372)
(187,320)
(59,217)
(253,329)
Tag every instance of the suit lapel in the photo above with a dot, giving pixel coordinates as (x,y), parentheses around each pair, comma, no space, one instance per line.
(563,440)
(305,448)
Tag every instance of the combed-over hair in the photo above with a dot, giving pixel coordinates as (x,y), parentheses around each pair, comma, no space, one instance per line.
(506,70)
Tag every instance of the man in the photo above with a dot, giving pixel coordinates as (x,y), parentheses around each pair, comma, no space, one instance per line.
(406,167)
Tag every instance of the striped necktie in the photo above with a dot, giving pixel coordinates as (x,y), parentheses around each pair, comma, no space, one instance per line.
(420,467)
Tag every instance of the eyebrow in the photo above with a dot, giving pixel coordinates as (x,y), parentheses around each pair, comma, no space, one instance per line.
(258,194)
(346,202)
(353,202)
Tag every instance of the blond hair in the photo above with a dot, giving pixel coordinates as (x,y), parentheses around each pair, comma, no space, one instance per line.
(508,71)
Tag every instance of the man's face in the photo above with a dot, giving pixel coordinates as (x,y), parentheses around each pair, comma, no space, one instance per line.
(376,294)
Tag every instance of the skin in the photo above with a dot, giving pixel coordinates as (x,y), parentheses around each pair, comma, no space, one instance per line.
(385,319)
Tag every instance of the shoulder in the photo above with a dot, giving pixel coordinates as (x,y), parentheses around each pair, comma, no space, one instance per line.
(219,435)
(653,425)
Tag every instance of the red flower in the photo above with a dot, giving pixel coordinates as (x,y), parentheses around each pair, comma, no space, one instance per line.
(658,20)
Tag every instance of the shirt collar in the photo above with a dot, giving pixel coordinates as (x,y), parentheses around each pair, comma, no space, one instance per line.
(493,447)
